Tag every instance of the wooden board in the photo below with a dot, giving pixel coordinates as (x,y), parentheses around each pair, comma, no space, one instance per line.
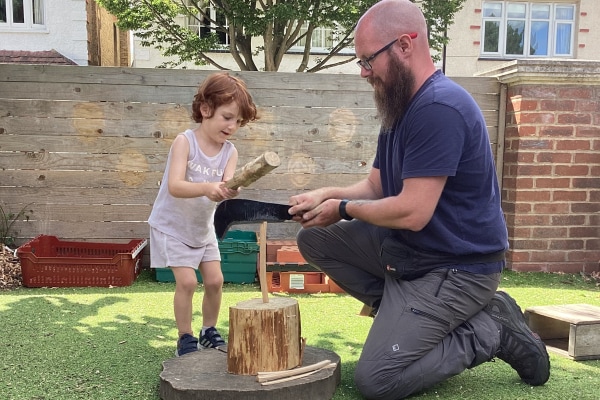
(571,330)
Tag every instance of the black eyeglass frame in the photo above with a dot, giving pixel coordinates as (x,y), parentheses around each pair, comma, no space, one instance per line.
(366,62)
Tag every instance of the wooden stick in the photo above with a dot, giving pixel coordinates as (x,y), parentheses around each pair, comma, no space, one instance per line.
(269,376)
(262,267)
(254,170)
(290,378)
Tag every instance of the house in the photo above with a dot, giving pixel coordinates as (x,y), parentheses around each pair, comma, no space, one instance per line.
(61,32)
(484,35)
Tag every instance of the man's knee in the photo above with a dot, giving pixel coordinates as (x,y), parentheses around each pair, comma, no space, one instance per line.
(369,382)
(305,239)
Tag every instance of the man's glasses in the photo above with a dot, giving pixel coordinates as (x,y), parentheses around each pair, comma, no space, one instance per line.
(366,63)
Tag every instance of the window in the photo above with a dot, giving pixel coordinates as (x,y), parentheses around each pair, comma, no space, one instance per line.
(208,24)
(526,29)
(322,40)
(22,14)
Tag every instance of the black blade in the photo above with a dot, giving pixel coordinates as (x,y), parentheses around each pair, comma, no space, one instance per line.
(240,211)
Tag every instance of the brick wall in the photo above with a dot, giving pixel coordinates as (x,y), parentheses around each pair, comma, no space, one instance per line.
(551,174)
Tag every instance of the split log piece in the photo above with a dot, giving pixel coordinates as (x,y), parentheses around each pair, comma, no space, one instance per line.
(291,378)
(254,170)
(269,376)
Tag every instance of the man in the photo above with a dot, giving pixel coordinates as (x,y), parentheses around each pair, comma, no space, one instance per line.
(425,241)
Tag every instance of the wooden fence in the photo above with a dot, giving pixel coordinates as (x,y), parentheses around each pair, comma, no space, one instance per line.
(84,148)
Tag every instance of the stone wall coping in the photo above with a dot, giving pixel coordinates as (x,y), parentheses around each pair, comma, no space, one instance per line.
(548,71)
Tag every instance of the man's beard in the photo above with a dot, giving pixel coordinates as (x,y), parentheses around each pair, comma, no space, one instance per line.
(392,97)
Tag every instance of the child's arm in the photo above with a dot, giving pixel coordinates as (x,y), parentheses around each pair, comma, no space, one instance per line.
(231,166)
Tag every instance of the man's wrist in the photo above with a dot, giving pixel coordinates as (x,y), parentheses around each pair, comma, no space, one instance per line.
(343,212)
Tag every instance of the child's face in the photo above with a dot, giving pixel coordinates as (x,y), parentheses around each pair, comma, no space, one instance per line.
(224,122)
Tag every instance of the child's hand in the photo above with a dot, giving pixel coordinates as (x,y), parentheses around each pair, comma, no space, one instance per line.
(218,192)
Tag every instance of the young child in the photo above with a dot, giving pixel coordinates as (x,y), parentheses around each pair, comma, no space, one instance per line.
(182,234)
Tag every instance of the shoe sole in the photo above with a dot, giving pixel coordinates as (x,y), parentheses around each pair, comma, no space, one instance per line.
(519,325)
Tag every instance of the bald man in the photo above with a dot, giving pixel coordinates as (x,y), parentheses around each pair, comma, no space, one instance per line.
(422,238)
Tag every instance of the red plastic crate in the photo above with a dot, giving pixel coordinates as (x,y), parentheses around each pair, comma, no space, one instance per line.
(47,261)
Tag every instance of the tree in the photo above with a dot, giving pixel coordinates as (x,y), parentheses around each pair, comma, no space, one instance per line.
(280,23)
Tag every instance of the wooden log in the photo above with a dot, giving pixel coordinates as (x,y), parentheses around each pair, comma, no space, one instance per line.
(254,170)
(264,336)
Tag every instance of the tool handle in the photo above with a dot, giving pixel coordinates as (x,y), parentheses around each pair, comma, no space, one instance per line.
(254,170)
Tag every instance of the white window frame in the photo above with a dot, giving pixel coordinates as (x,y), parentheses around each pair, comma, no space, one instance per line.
(28,12)
(320,35)
(553,26)
(198,26)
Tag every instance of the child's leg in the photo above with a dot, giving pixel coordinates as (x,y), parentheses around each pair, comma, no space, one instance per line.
(212,277)
(185,287)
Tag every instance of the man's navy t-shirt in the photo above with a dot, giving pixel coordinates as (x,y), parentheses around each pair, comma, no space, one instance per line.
(443,133)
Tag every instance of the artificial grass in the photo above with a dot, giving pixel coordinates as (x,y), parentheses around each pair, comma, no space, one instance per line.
(109,343)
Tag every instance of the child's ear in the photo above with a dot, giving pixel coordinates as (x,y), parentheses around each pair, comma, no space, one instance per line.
(206,110)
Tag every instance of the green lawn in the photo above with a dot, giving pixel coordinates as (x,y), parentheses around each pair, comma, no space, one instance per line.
(101,343)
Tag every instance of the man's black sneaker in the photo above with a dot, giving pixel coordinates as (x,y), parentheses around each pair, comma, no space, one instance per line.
(212,339)
(519,346)
(186,344)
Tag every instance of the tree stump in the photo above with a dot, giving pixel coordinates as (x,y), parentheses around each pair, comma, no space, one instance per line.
(264,337)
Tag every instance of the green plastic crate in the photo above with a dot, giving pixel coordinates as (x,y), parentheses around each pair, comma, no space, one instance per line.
(239,250)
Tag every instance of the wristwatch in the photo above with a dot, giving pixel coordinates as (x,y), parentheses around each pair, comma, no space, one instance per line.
(343,212)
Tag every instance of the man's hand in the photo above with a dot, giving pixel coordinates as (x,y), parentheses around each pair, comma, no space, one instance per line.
(322,215)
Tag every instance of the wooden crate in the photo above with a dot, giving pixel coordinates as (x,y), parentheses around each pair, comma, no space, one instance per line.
(572,330)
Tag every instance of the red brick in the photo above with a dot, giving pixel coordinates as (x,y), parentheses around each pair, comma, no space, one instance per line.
(545,183)
(558,131)
(584,119)
(572,170)
(535,118)
(575,93)
(289,254)
(517,256)
(524,183)
(547,256)
(532,220)
(592,183)
(533,195)
(548,157)
(535,144)
(551,208)
(565,244)
(566,268)
(534,170)
(524,105)
(588,105)
(573,195)
(557,105)
(549,232)
(521,232)
(587,131)
(524,244)
(574,145)
(567,220)
(586,158)
(584,255)
(538,92)
(584,231)
(585,208)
